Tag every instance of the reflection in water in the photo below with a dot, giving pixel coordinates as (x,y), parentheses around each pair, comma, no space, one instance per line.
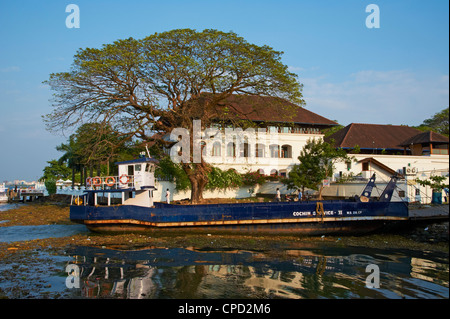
(296,273)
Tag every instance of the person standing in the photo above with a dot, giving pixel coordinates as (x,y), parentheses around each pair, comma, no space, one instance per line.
(278,196)
(300,195)
(168,196)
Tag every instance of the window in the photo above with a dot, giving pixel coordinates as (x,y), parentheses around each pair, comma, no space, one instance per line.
(273,129)
(231,149)
(259,150)
(274,151)
(365,166)
(286,151)
(245,149)
(216,149)
(401,193)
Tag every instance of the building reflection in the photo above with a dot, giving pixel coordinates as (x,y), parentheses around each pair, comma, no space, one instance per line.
(188,273)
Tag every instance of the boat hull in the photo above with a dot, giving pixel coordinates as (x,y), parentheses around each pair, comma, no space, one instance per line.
(305,218)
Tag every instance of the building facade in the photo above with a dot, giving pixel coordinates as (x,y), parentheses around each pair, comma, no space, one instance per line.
(272,146)
(388,150)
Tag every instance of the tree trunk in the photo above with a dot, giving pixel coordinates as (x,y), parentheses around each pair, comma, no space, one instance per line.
(198,176)
(73,177)
(81,176)
(320,192)
(196,190)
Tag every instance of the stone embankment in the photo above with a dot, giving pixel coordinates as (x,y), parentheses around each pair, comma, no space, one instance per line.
(433,230)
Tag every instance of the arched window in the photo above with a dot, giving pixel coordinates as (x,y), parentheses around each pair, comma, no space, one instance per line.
(286,151)
(274,172)
(261,171)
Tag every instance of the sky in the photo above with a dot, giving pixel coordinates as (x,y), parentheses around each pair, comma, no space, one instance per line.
(396,74)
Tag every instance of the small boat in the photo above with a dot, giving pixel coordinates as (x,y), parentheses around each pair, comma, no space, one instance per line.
(3,193)
(125,203)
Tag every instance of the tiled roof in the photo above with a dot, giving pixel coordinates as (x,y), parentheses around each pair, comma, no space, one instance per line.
(425,138)
(272,109)
(371,136)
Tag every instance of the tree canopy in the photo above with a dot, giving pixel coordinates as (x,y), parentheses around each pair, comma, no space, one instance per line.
(164,81)
(317,160)
(438,123)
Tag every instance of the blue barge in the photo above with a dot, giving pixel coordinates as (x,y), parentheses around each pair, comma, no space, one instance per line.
(127,205)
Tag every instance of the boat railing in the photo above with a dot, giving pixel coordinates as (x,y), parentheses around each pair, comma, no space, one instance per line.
(110,182)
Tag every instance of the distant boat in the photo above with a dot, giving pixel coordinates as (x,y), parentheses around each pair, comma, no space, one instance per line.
(3,193)
(125,203)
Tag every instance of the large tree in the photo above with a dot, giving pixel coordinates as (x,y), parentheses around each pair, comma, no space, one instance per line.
(438,123)
(165,81)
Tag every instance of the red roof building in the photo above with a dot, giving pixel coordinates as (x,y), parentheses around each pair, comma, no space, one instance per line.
(373,138)
(427,143)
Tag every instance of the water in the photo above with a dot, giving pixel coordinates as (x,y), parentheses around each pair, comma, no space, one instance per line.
(22,233)
(303,272)
(7,206)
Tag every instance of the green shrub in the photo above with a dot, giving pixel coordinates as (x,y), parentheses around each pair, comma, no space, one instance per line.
(50,185)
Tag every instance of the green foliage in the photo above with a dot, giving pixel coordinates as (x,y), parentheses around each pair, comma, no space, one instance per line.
(168,170)
(435,182)
(56,170)
(220,179)
(317,161)
(356,150)
(50,185)
(160,82)
(327,132)
(217,178)
(439,122)
(253,178)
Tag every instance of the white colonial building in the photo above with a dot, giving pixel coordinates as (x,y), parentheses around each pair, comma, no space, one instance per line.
(273,147)
(270,147)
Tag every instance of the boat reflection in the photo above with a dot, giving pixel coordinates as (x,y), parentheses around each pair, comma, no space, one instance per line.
(186,273)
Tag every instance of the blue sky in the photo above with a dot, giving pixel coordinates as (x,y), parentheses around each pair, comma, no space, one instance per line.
(396,74)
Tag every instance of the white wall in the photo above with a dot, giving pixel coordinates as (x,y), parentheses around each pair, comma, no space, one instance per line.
(159,195)
(425,166)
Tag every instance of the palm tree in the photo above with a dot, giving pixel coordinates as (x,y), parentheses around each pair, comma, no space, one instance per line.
(71,157)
